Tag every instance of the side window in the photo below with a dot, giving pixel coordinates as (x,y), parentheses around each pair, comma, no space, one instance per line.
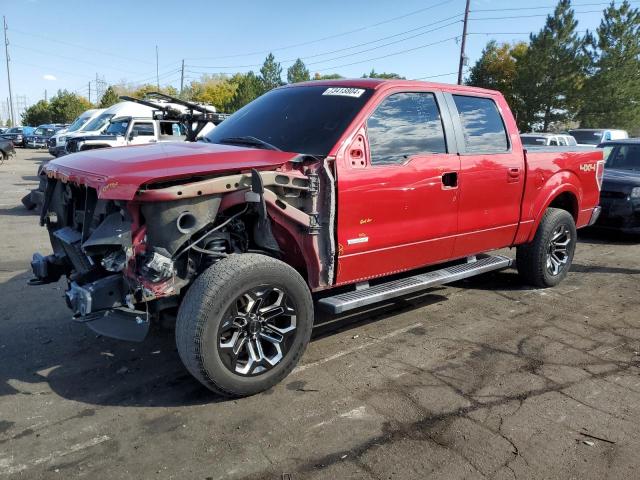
(143,129)
(482,125)
(553,142)
(571,141)
(562,141)
(172,129)
(405,124)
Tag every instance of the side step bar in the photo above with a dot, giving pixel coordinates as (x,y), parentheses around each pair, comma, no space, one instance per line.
(359,298)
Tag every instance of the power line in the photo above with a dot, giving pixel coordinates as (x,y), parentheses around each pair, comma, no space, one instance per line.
(102,52)
(400,52)
(537,8)
(348,48)
(329,37)
(528,16)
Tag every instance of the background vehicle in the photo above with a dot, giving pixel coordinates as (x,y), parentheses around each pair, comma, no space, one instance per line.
(17,134)
(41,135)
(168,119)
(6,150)
(233,234)
(547,139)
(620,196)
(99,124)
(59,140)
(592,137)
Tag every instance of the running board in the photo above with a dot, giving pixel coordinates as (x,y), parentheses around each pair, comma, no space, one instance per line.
(359,298)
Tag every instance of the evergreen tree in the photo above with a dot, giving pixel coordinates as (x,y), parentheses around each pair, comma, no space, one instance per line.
(612,92)
(298,72)
(551,72)
(110,97)
(270,73)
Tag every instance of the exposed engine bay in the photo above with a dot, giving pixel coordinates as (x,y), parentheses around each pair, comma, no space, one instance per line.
(128,263)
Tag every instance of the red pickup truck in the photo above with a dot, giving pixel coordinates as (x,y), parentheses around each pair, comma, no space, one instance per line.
(334,194)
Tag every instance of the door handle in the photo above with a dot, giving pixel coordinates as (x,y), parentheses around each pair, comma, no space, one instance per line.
(450,180)
(514,174)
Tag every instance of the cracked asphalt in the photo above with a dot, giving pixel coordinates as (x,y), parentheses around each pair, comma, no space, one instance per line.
(481,379)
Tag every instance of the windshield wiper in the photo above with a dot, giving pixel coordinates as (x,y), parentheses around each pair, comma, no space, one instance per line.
(249,140)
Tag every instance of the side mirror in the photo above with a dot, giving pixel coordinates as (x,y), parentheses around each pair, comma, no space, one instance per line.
(133,134)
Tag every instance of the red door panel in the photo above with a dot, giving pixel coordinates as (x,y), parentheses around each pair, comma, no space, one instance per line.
(395,217)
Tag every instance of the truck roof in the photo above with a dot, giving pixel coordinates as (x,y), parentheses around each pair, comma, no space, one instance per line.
(377,83)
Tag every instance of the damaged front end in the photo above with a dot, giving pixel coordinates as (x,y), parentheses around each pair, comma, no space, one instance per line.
(129,262)
(116,284)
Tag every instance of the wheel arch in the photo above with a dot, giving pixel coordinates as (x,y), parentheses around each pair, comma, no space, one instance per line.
(563,191)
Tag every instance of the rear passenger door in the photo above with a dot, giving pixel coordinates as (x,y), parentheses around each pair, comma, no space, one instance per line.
(491,176)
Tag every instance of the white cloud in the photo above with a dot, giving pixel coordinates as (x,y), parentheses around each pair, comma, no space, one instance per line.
(48,76)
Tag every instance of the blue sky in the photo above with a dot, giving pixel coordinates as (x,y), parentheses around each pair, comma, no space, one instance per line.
(63,44)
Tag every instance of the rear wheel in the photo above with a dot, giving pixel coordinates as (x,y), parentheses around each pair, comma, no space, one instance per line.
(244,324)
(546,261)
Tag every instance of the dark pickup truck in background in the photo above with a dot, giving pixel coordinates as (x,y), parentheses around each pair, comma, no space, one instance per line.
(237,236)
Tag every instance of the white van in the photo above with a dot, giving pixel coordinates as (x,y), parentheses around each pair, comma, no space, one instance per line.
(592,137)
(57,142)
(99,124)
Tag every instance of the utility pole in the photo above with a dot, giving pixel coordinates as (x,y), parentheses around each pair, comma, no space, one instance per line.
(45,94)
(182,77)
(90,92)
(157,70)
(464,40)
(6,53)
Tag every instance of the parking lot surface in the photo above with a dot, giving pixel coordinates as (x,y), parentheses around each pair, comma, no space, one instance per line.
(484,378)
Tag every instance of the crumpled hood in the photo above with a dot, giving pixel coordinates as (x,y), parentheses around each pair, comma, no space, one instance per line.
(118,173)
(620,180)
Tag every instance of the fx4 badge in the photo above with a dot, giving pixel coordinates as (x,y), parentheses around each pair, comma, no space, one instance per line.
(588,167)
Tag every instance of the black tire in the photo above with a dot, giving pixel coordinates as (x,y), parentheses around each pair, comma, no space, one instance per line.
(206,310)
(536,264)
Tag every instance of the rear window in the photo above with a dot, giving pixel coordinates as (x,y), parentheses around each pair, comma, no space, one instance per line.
(482,125)
(624,157)
(540,141)
(587,137)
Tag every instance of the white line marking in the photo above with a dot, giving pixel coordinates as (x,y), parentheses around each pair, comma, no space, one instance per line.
(335,356)
(8,468)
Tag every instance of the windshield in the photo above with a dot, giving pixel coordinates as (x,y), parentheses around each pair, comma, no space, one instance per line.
(587,137)
(44,131)
(118,127)
(97,123)
(534,140)
(624,157)
(306,119)
(77,123)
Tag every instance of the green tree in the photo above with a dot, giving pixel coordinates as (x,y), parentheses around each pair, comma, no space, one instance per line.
(329,76)
(384,75)
(270,73)
(66,106)
(37,114)
(298,72)
(110,97)
(250,87)
(496,69)
(217,90)
(611,96)
(551,72)
(8,123)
